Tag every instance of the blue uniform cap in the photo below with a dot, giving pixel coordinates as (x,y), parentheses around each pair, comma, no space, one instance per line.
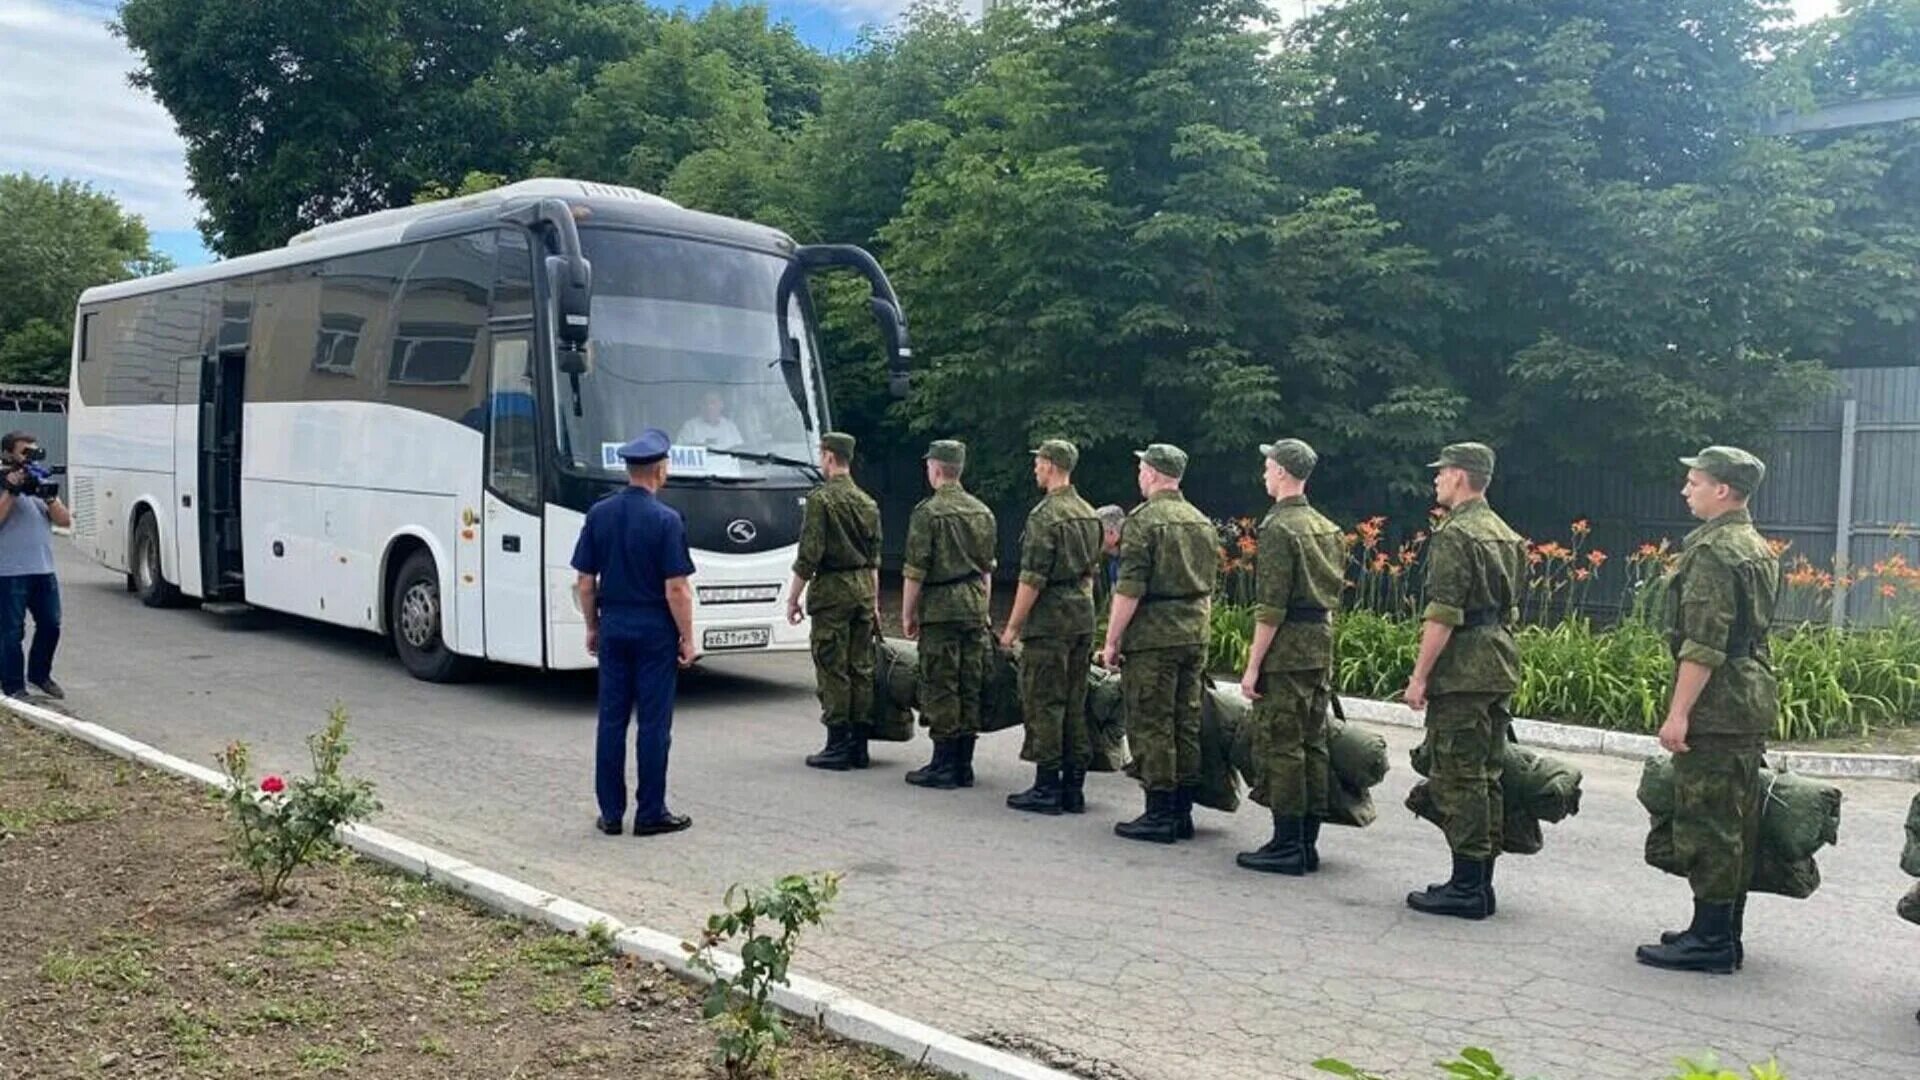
(651,446)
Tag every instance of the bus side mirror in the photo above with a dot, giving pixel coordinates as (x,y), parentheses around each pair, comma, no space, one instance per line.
(570,279)
(893,331)
(884,303)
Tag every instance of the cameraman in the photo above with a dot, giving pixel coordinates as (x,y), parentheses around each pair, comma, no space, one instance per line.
(29,508)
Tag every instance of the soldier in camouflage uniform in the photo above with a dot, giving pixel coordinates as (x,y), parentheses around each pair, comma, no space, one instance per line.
(1157,635)
(1467,671)
(838,569)
(1053,618)
(1112,520)
(951,540)
(1299,572)
(1720,599)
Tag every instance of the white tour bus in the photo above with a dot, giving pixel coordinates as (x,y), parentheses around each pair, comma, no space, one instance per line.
(398,422)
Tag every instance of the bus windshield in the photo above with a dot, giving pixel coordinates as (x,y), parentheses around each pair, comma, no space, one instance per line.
(685,340)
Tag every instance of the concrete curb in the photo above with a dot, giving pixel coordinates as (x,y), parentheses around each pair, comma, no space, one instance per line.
(839,1012)
(1575,739)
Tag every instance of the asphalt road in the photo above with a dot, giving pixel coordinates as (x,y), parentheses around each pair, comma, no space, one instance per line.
(1171,964)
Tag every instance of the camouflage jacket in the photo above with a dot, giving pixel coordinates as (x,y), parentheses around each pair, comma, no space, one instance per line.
(1170,562)
(1299,573)
(1720,598)
(839,546)
(1059,555)
(1476,567)
(951,539)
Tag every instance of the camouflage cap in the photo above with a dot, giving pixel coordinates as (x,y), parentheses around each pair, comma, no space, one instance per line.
(1060,452)
(1731,466)
(1472,456)
(839,444)
(1165,458)
(948,452)
(1293,455)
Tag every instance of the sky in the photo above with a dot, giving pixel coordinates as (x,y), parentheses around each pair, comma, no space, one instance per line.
(66,110)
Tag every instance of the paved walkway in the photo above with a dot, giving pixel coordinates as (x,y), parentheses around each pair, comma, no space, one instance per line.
(1170,964)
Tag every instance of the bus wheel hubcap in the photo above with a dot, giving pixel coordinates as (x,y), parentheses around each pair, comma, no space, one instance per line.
(420,614)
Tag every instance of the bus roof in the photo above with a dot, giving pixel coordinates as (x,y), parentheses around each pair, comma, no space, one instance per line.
(593,204)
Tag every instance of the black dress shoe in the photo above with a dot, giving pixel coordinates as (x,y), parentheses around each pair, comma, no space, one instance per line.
(611,828)
(52,690)
(672,823)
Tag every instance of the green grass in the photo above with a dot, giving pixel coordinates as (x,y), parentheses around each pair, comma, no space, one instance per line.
(1833,683)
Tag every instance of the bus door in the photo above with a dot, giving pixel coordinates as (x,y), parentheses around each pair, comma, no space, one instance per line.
(222,406)
(513,566)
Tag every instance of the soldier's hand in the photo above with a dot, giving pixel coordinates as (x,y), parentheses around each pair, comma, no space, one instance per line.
(1673,733)
(910,626)
(1415,695)
(1008,637)
(1109,658)
(1250,685)
(794,614)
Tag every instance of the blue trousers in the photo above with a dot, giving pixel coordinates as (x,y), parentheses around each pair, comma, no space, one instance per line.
(21,595)
(638,674)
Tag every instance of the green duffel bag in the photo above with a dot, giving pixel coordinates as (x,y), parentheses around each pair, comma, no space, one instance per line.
(1346,806)
(1359,757)
(1793,878)
(1000,707)
(1909,905)
(1910,857)
(1799,815)
(891,720)
(1223,713)
(1537,786)
(896,673)
(1520,832)
(1773,871)
(1106,721)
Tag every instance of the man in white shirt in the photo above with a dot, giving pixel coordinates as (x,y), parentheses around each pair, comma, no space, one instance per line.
(711,428)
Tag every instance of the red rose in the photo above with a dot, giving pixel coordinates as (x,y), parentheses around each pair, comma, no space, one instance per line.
(273,785)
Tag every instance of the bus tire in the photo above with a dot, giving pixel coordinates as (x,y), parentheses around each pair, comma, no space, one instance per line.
(148,581)
(415,621)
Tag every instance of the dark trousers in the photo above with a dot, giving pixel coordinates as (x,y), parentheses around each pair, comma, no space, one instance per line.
(638,674)
(21,595)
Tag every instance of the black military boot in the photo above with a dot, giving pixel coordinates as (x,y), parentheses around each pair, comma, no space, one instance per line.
(1705,946)
(1463,897)
(1493,902)
(1738,927)
(1310,840)
(938,773)
(1073,790)
(837,755)
(963,760)
(1043,797)
(1183,808)
(1159,825)
(1285,854)
(857,746)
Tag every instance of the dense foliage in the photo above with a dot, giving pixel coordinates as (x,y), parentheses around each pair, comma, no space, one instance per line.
(1548,225)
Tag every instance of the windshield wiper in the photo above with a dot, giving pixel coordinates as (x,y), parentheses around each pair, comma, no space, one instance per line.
(763,458)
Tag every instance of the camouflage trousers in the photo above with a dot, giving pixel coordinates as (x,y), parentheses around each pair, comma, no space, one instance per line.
(1290,743)
(1053,700)
(1467,744)
(1161,689)
(1716,813)
(953,675)
(843,657)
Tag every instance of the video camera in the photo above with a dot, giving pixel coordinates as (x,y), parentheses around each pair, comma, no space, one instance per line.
(35,479)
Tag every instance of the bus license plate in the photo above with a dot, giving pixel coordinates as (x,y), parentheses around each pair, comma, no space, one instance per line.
(752,637)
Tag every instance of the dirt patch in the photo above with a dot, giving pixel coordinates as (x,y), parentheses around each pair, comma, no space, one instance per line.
(130,946)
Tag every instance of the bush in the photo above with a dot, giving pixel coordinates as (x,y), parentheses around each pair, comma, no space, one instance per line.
(278,827)
(751,1031)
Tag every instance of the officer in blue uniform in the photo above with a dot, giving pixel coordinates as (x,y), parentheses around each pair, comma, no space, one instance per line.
(634,564)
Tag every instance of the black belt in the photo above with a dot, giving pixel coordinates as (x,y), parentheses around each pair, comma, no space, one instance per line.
(1164,599)
(1308,615)
(1483,617)
(975,576)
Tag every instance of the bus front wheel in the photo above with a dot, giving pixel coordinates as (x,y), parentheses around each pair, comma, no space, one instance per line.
(416,622)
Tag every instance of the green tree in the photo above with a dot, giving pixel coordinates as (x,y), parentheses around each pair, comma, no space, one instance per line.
(57,238)
(1611,237)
